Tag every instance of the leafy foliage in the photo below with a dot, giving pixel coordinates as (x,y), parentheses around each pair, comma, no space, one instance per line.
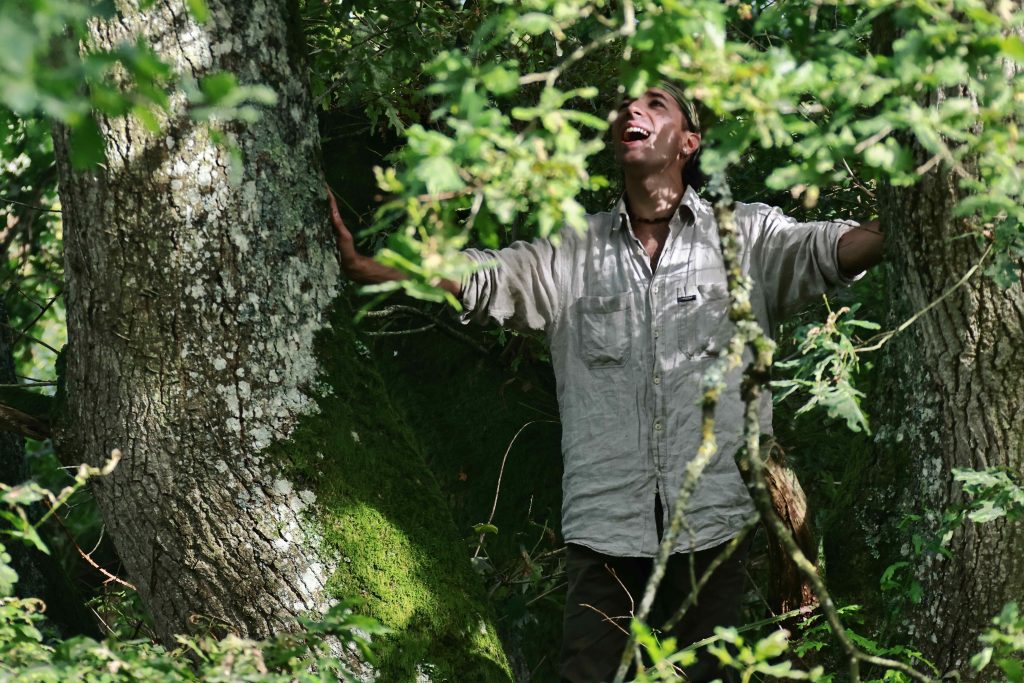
(995,494)
(793,80)
(1004,643)
(503,132)
(303,656)
(28,651)
(827,366)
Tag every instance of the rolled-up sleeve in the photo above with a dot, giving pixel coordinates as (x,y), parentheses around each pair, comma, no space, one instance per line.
(796,261)
(518,287)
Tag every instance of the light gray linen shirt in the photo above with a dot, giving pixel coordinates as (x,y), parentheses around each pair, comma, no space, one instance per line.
(629,348)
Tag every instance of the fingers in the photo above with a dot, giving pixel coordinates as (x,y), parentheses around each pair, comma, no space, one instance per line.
(344,237)
(335,214)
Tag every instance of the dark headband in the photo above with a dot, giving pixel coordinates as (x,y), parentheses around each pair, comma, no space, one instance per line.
(689,111)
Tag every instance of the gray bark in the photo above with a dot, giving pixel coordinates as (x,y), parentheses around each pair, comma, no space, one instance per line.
(198,311)
(960,378)
(191,310)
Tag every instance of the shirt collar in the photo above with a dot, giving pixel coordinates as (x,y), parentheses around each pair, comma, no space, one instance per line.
(691,203)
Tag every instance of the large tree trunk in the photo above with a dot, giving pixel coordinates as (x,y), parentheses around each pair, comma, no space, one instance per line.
(265,472)
(960,378)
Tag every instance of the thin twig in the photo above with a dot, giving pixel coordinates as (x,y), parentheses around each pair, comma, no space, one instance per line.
(21,333)
(550,76)
(547,592)
(857,182)
(101,620)
(877,137)
(497,490)
(38,315)
(610,620)
(28,206)
(435,319)
(777,619)
(721,558)
(883,338)
(32,379)
(88,556)
(398,333)
(755,379)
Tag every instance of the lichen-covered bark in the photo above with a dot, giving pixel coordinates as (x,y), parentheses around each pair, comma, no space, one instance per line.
(201,344)
(957,385)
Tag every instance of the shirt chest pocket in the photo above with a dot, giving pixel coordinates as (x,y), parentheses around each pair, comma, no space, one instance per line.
(605,327)
(704,325)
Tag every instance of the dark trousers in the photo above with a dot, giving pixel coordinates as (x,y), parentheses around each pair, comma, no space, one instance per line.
(604,591)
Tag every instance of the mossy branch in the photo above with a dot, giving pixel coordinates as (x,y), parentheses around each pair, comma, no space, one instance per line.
(714,385)
(755,378)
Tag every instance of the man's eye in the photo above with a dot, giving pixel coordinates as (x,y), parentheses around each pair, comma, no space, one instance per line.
(657,103)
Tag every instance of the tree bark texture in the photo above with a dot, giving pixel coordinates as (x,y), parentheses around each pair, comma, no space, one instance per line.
(957,379)
(265,472)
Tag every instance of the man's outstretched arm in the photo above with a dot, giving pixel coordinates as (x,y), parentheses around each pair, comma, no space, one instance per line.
(860,248)
(363,269)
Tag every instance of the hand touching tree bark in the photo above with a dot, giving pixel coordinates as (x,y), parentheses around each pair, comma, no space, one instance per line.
(363,269)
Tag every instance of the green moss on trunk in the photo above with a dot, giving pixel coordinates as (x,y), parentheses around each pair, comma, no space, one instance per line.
(382,518)
(467,423)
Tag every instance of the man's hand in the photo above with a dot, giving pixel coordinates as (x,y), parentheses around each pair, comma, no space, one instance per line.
(363,269)
(352,262)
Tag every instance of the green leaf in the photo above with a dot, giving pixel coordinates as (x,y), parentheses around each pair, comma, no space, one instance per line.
(29,534)
(535,23)
(485,529)
(1012,47)
(915,592)
(981,660)
(1013,669)
(439,174)
(880,155)
(23,495)
(87,146)
(147,118)
(217,86)
(8,577)
(500,80)
(198,10)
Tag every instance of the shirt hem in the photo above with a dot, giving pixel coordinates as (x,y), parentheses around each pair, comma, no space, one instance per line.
(678,550)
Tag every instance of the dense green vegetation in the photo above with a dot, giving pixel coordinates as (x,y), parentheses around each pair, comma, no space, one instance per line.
(480,123)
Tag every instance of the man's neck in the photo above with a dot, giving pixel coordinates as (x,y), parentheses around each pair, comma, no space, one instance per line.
(652,202)
(653,197)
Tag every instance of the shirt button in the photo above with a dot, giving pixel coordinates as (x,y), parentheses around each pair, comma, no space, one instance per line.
(655,289)
(657,426)
(655,332)
(657,379)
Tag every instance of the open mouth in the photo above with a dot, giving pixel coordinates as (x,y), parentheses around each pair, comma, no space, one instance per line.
(635,134)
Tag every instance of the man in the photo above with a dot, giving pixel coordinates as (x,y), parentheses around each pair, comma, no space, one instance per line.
(635,310)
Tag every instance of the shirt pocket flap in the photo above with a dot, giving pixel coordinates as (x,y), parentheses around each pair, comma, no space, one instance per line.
(604,304)
(605,325)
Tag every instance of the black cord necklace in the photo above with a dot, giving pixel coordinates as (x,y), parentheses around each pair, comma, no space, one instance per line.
(666,219)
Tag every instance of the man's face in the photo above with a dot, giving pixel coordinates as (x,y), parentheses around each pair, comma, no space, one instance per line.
(650,134)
